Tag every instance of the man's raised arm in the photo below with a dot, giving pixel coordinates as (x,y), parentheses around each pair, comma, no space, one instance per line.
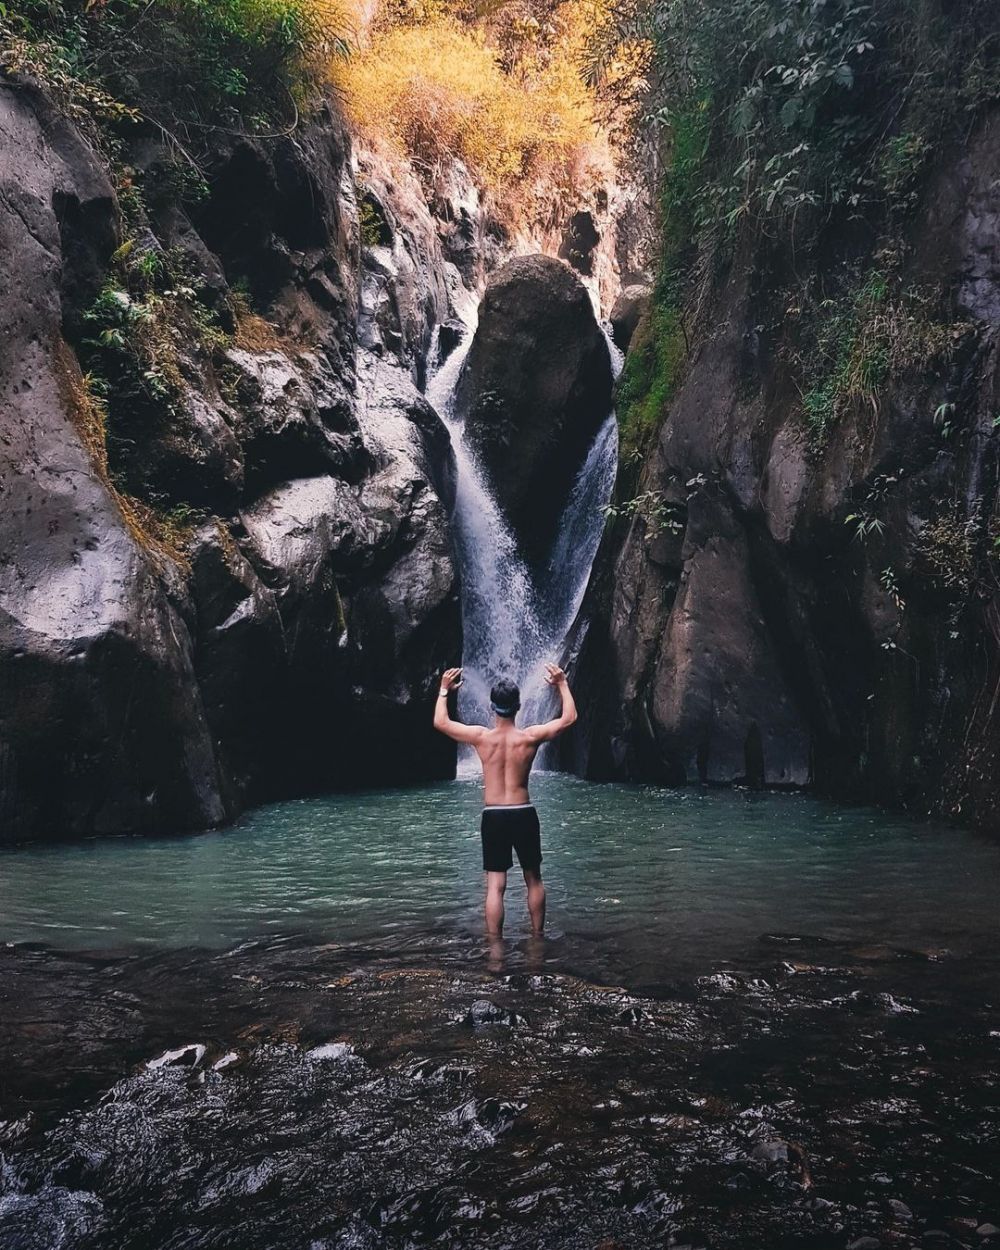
(567,715)
(443,722)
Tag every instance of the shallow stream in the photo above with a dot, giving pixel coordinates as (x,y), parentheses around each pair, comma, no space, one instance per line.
(757,1021)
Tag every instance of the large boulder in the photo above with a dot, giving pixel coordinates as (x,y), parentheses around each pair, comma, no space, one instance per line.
(628,309)
(533,391)
(404,619)
(365,587)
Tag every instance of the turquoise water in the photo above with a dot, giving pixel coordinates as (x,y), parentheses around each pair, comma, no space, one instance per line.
(640,879)
(756,1021)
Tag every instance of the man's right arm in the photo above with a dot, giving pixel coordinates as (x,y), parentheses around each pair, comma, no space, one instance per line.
(443,722)
(567,715)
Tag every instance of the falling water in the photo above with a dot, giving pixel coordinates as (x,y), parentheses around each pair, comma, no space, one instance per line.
(513,626)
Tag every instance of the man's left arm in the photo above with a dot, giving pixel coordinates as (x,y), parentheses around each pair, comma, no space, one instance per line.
(567,710)
(443,721)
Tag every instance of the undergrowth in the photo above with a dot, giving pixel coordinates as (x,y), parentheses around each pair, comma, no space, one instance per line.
(873,332)
(163,533)
(186,66)
(818,122)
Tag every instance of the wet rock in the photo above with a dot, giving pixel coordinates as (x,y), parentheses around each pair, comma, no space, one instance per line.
(988,1230)
(403,616)
(468,237)
(579,241)
(627,312)
(486,1012)
(899,1210)
(188,455)
(183,1057)
(296,417)
(279,215)
(496,1114)
(534,390)
(632,1016)
(483,1011)
(336,1052)
(672,699)
(771,1152)
(238,631)
(450,334)
(403,292)
(865,1243)
(721,708)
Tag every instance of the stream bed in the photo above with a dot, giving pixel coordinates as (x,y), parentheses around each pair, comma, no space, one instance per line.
(757,1021)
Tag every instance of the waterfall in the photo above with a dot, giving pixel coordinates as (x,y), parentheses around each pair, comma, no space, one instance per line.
(511,625)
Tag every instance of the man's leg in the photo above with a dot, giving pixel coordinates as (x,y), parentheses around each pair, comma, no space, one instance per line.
(536,899)
(496,884)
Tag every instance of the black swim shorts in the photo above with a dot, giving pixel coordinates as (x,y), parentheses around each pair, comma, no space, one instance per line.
(509,829)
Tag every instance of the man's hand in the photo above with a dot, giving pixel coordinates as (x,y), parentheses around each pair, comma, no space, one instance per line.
(451,678)
(554,675)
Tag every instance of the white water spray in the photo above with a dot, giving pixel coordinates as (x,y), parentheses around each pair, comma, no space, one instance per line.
(512,626)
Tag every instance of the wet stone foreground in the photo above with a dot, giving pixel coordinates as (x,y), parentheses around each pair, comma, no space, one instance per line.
(289,1095)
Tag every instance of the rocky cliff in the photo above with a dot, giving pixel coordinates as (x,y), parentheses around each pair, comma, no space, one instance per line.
(225,562)
(804,589)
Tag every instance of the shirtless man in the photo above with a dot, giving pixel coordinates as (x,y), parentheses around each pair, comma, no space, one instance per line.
(510,822)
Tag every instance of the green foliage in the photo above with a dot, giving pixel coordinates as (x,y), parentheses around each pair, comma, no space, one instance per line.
(660,516)
(792,129)
(853,355)
(176,62)
(946,550)
(889,583)
(865,525)
(813,108)
(652,370)
(902,161)
(144,319)
(659,346)
(374,232)
(857,341)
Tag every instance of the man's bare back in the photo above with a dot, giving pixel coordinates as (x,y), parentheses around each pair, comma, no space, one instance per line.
(507,753)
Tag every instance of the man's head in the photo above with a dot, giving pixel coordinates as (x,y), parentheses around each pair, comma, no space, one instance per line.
(505,699)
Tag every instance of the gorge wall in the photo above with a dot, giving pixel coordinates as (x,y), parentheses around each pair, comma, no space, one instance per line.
(226,563)
(775,608)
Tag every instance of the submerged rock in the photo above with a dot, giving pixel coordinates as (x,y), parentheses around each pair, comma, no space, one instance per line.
(534,390)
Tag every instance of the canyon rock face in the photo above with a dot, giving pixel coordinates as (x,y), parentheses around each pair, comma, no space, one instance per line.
(290,639)
(781,612)
(100,725)
(533,391)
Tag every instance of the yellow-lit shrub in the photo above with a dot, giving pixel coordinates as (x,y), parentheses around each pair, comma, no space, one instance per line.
(436,91)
